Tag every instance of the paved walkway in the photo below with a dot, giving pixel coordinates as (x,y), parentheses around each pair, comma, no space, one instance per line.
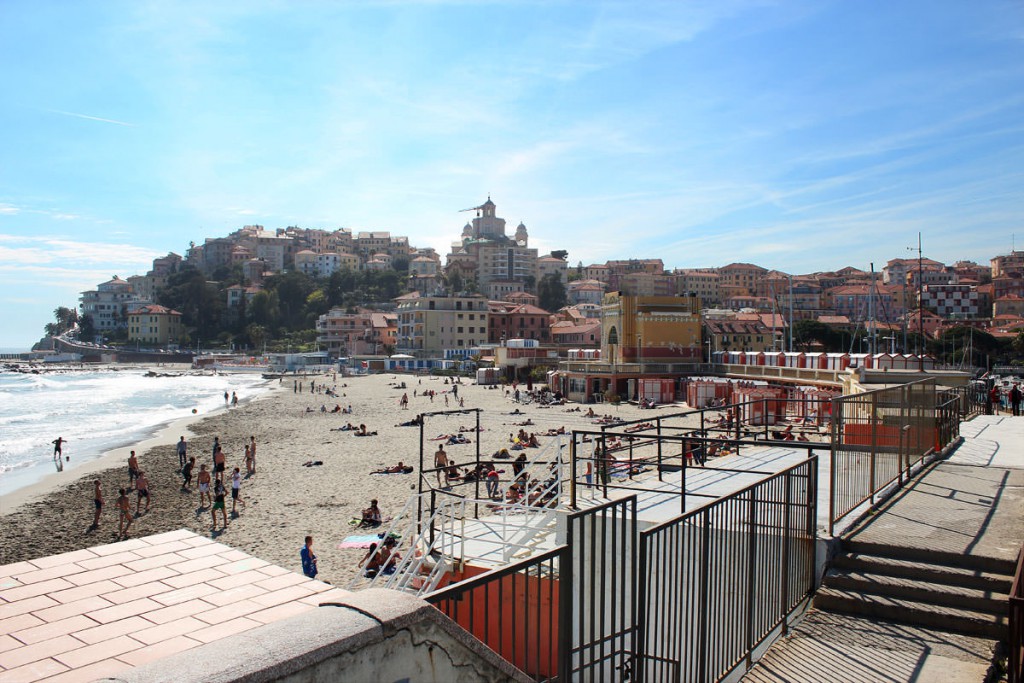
(93,613)
(972,503)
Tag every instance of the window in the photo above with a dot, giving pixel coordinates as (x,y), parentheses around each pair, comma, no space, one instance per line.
(460,330)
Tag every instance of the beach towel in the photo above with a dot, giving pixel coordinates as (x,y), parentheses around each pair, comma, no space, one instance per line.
(363,541)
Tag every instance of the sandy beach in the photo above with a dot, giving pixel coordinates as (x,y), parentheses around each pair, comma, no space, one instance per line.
(285,500)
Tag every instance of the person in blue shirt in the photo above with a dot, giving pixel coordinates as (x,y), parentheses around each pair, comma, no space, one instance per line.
(308,559)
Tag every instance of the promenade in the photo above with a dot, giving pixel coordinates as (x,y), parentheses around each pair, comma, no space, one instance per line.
(971,503)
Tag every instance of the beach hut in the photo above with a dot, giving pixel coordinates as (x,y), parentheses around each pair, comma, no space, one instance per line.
(754,358)
(772,358)
(814,360)
(793,359)
(737,357)
(837,361)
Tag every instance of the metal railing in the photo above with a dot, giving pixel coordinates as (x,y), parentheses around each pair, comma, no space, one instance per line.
(716,582)
(514,610)
(879,437)
(1015,657)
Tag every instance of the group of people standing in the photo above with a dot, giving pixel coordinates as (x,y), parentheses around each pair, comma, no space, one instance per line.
(994,399)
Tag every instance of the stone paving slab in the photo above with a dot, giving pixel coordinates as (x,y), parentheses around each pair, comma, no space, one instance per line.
(826,647)
(963,509)
(96,612)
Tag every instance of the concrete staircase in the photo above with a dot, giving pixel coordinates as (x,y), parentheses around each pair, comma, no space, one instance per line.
(931,589)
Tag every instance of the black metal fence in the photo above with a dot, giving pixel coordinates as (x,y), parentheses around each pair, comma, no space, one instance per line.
(717,581)
(687,600)
(878,437)
(1015,663)
(514,610)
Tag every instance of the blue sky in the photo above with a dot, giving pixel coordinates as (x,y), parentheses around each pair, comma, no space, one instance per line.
(802,136)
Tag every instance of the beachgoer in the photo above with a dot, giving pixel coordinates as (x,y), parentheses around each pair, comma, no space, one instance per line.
(204,485)
(1015,397)
(519,464)
(182,453)
(308,558)
(371,515)
(216,445)
(142,491)
(493,483)
(124,513)
(404,402)
(388,556)
(440,462)
(370,562)
(236,490)
(252,453)
(133,470)
(218,504)
(97,497)
(186,473)
(234,399)
(219,461)
(226,398)
(58,447)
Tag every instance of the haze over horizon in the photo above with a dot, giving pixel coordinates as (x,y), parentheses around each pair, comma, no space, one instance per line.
(801,136)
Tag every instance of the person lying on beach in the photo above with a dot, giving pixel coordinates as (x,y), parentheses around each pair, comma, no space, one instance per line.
(525,423)
(337,408)
(501,454)
(555,432)
(313,463)
(454,439)
(415,422)
(362,431)
(400,468)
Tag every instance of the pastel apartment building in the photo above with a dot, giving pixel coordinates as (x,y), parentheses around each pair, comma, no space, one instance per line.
(155,325)
(428,325)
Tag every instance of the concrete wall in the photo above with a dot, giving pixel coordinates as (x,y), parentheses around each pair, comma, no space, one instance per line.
(373,635)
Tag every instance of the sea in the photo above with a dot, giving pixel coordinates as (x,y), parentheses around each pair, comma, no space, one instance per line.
(96,411)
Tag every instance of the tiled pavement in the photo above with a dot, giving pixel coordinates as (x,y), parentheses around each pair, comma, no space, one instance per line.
(92,613)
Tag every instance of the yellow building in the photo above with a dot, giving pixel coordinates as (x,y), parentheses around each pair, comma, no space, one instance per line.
(650,329)
(155,325)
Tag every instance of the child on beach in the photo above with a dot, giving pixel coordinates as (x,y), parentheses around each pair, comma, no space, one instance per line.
(236,490)
(204,486)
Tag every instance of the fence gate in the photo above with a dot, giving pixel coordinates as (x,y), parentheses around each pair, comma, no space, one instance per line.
(600,593)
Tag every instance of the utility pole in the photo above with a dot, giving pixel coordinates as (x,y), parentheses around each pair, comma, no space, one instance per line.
(920,300)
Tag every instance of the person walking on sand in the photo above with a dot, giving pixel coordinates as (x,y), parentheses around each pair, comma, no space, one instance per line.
(404,402)
(186,473)
(236,490)
(252,453)
(133,470)
(97,498)
(219,462)
(204,485)
(58,447)
(182,453)
(234,400)
(124,514)
(226,398)
(218,504)
(308,558)
(441,462)
(142,491)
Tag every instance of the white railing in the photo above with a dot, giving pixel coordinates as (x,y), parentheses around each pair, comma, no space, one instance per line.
(455,533)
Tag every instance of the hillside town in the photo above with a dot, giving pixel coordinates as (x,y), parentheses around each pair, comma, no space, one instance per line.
(494,300)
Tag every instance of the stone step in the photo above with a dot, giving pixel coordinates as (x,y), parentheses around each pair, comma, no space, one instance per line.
(956,620)
(918,590)
(925,571)
(938,557)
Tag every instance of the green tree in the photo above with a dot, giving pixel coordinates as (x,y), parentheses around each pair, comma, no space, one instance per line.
(807,333)
(551,292)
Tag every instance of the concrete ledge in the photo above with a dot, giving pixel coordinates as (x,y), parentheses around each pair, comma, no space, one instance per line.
(372,635)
